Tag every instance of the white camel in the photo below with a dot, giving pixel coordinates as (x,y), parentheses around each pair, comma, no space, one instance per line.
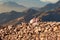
(34,21)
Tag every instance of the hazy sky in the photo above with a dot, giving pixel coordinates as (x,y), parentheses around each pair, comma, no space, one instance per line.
(32,3)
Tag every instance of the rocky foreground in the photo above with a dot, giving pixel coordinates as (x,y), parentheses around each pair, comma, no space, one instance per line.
(25,31)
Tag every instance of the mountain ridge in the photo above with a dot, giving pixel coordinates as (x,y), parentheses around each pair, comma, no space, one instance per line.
(46,13)
(9,6)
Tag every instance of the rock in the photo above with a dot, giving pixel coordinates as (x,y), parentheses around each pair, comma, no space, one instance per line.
(43,31)
(10,27)
(55,28)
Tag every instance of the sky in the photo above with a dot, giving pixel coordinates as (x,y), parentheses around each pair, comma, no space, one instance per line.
(32,3)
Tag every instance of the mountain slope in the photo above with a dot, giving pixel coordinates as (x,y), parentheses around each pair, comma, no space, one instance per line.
(30,13)
(53,15)
(9,16)
(50,12)
(9,6)
(12,4)
(50,6)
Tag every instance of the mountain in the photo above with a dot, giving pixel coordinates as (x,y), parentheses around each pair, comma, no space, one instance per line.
(52,15)
(30,13)
(12,4)
(9,6)
(17,17)
(50,12)
(50,6)
(14,17)
(9,16)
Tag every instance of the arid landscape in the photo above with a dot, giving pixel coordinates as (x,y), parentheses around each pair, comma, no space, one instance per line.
(25,31)
(30,20)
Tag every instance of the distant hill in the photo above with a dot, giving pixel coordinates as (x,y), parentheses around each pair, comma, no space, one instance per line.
(9,6)
(12,4)
(52,15)
(30,13)
(50,6)
(9,16)
(51,12)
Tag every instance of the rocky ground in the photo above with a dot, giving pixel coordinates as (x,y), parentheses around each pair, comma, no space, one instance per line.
(25,31)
